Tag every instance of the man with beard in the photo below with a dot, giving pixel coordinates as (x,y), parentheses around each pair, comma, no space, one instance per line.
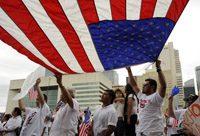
(150,103)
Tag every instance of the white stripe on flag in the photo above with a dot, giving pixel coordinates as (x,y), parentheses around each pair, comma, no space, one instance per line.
(133,9)
(162,7)
(103,9)
(76,19)
(15,32)
(53,34)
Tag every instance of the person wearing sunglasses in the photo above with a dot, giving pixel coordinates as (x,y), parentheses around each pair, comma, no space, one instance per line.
(150,103)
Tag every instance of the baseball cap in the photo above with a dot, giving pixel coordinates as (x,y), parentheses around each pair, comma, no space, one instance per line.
(191,98)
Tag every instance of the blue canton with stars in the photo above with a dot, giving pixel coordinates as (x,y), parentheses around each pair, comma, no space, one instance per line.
(124,43)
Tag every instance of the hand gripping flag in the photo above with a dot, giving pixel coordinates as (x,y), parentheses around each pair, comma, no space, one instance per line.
(78,36)
(84,130)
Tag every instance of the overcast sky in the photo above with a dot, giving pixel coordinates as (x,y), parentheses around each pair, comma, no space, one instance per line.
(185,36)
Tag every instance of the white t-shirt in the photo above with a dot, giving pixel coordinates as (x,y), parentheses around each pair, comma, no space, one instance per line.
(119,108)
(2,124)
(150,113)
(171,130)
(34,122)
(135,103)
(179,114)
(66,120)
(12,124)
(102,118)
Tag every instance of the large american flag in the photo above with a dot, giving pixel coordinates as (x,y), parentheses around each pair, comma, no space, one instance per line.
(78,36)
(84,130)
(33,93)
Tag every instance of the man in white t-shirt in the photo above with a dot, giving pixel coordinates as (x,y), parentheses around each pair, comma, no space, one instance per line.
(179,114)
(13,123)
(104,118)
(65,122)
(34,122)
(150,103)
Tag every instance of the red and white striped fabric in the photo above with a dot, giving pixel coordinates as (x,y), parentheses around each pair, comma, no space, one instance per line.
(84,130)
(33,93)
(175,123)
(55,34)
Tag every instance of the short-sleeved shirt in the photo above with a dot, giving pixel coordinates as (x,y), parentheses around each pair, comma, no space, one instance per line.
(119,108)
(12,124)
(171,130)
(34,122)
(179,115)
(150,113)
(66,120)
(102,118)
(135,103)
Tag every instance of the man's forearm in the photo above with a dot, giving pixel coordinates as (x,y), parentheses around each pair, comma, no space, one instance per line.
(163,85)
(66,95)
(40,94)
(108,131)
(170,110)
(21,105)
(132,82)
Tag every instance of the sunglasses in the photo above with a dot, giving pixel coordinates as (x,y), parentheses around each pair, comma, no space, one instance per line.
(145,84)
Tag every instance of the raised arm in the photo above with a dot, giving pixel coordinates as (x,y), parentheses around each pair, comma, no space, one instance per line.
(64,91)
(132,81)
(21,103)
(40,94)
(170,107)
(161,77)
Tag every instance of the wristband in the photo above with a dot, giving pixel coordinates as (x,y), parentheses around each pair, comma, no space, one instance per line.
(159,69)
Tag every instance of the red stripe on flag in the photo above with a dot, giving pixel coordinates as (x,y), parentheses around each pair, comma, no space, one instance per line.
(84,130)
(176,9)
(54,9)
(118,8)
(147,9)
(7,38)
(89,11)
(33,93)
(175,123)
(23,19)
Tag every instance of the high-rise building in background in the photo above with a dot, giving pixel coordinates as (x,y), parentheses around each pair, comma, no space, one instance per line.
(113,76)
(89,88)
(197,73)
(171,68)
(189,87)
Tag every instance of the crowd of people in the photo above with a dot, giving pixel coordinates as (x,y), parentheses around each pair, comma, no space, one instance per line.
(135,113)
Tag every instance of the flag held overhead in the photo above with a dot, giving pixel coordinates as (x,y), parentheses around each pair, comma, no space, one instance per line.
(81,36)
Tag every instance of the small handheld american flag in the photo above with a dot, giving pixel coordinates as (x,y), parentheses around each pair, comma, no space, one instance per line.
(33,93)
(84,130)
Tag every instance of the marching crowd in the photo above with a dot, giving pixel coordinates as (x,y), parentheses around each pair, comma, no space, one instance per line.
(138,113)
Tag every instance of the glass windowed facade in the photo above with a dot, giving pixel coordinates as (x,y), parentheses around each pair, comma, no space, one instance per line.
(52,94)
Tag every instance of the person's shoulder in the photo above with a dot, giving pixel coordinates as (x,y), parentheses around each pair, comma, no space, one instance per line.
(111,108)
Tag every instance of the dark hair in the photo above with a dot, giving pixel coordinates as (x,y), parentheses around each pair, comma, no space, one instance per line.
(111,94)
(152,82)
(7,116)
(118,90)
(19,113)
(129,90)
(45,97)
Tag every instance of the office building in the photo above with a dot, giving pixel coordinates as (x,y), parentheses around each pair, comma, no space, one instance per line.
(189,87)
(197,73)
(89,88)
(113,76)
